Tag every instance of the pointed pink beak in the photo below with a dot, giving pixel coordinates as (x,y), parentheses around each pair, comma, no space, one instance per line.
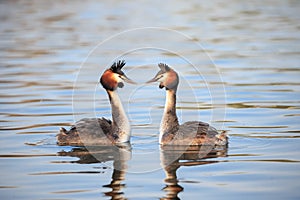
(152,80)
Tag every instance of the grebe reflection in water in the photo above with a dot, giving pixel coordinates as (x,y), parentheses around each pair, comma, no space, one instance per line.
(119,154)
(172,157)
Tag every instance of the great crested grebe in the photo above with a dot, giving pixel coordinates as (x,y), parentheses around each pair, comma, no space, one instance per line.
(101,131)
(189,133)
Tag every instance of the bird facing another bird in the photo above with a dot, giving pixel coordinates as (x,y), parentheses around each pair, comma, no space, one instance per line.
(101,131)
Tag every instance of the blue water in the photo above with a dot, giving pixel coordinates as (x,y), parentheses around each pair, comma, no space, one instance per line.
(239,70)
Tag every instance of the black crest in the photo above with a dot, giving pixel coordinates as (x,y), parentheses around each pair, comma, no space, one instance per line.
(164,67)
(117,67)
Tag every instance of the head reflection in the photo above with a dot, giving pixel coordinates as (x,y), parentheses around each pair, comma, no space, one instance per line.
(173,157)
(118,154)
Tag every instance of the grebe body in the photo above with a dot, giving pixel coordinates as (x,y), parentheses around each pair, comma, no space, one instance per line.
(101,131)
(189,133)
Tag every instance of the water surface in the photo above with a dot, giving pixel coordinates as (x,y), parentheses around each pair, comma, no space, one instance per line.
(247,83)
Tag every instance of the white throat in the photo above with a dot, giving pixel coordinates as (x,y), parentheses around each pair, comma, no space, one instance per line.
(169,122)
(121,124)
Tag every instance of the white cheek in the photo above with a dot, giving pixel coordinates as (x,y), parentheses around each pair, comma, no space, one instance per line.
(162,79)
(117,78)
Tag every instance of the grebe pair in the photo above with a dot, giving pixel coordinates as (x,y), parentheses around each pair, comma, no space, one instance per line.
(95,131)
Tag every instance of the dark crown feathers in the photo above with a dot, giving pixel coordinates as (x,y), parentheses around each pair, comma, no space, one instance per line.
(117,66)
(164,67)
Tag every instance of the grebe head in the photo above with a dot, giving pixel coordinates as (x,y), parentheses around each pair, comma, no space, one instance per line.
(114,77)
(167,77)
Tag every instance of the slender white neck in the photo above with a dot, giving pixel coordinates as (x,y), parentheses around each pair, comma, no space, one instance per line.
(169,122)
(121,124)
